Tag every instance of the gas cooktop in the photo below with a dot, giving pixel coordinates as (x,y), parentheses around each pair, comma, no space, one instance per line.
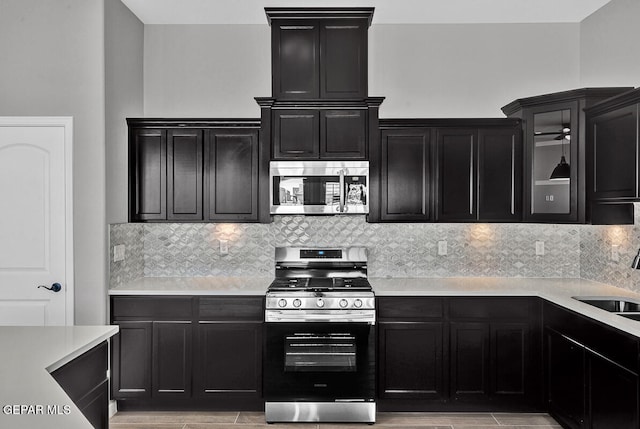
(319,284)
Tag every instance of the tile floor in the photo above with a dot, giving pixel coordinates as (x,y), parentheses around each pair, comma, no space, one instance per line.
(251,420)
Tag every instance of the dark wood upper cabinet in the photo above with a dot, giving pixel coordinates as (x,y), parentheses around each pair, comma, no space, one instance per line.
(448,170)
(296,134)
(343,58)
(406,175)
(343,134)
(319,130)
(231,175)
(457,167)
(295,59)
(319,53)
(147,174)
(499,174)
(184,174)
(479,173)
(194,170)
(613,148)
(554,130)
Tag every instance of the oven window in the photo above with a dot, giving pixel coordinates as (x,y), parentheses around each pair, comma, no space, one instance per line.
(330,352)
(307,191)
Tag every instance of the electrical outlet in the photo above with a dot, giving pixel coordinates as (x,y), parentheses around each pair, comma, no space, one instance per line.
(539,248)
(442,248)
(118,253)
(615,253)
(224,247)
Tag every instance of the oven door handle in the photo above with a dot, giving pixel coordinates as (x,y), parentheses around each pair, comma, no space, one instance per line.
(279,317)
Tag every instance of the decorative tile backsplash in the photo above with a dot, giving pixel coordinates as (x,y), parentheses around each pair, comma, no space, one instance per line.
(395,250)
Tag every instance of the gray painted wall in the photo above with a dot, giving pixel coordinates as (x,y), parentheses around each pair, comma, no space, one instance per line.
(124,41)
(206,70)
(423,70)
(53,65)
(609,45)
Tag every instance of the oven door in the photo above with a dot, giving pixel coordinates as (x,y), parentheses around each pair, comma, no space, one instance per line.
(319,187)
(319,361)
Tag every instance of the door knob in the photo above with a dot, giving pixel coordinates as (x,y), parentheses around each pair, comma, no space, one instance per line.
(56,287)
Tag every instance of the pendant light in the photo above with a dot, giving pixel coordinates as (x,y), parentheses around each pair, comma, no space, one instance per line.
(562,170)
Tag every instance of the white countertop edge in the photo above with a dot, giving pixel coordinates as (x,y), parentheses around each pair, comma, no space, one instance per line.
(182,292)
(110,331)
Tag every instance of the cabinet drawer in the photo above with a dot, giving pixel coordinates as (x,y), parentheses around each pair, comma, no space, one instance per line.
(232,308)
(410,308)
(83,374)
(491,308)
(151,308)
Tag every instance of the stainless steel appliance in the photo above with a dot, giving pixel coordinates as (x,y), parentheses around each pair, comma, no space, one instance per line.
(320,337)
(319,187)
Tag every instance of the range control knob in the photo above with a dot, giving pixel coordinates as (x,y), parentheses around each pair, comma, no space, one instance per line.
(297,303)
(282,303)
(343,303)
(320,302)
(357,303)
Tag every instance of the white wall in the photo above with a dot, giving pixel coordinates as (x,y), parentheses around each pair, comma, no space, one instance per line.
(609,45)
(423,70)
(124,40)
(52,64)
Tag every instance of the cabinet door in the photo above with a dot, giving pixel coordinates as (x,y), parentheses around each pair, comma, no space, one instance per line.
(469,361)
(343,59)
(613,394)
(184,175)
(565,380)
(552,139)
(131,361)
(499,174)
(172,357)
(147,174)
(231,175)
(509,360)
(296,134)
(343,134)
(457,174)
(406,175)
(411,360)
(614,141)
(229,360)
(295,59)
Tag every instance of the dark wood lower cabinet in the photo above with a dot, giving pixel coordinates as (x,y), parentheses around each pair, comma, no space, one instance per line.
(227,362)
(84,379)
(171,359)
(459,354)
(411,360)
(591,372)
(187,353)
(469,344)
(565,380)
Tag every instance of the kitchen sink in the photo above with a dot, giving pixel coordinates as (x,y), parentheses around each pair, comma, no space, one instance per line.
(632,316)
(612,304)
(625,307)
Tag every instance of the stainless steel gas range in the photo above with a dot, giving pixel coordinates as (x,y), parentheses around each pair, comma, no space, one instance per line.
(320,337)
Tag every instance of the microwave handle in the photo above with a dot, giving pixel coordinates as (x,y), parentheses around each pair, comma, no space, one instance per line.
(341,191)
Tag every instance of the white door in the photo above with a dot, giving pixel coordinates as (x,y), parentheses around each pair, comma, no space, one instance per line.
(35,221)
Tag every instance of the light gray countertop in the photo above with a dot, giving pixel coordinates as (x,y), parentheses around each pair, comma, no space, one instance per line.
(557,290)
(28,355)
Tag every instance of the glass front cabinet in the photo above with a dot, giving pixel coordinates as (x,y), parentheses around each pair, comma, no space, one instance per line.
(554,159)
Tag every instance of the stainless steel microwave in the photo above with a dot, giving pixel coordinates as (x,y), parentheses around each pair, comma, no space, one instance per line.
(319,187)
